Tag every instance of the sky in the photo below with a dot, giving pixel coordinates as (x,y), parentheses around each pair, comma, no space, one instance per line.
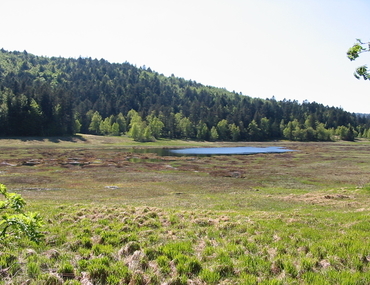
(289,49)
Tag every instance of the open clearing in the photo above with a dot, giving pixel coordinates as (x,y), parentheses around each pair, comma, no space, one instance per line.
(286,218)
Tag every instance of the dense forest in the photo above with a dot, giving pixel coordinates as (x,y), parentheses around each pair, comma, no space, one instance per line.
(41,96)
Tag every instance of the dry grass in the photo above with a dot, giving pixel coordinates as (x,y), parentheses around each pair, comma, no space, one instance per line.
(290,218)
(92,168)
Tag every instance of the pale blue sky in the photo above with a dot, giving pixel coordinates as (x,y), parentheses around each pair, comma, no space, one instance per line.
(284,48)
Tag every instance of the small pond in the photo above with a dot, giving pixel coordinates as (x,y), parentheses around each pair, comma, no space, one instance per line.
(208,151)
(228,150)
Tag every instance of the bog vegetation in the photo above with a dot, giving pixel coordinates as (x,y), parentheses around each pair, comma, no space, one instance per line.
(62,96)
(113,216)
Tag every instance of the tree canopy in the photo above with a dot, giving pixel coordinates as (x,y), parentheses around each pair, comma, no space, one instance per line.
(42,96)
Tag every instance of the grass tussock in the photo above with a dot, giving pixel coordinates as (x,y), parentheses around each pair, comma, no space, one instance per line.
(147,245)
(116,217)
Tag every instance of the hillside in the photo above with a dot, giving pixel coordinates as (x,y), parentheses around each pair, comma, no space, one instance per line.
(61,96)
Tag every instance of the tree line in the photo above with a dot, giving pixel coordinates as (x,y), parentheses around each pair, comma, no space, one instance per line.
(41,96)
(152,128)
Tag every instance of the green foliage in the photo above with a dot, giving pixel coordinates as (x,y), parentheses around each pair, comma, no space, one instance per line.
(104,249)
(346,133)
(209,276)
(11,262)
(223,130)
(234,250)
(202,131)
(164,263)
(77,126)
(42,96)
(66,267)
(187,266)
(15,221)
(52,279)
(98,271)
(121,121)
(115,130)
(354,52)
(254,131)
(105,126)
(186,127)
(155,125)
(103,271)
(173,249)
(139,130)
(288,232)
(96,120)
(309,131)
(214,134)
(33,269)
(235,132)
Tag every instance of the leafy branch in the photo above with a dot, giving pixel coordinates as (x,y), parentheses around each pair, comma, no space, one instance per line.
(14,220)
(354,52)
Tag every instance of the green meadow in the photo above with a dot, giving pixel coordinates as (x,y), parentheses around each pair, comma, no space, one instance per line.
(114,216)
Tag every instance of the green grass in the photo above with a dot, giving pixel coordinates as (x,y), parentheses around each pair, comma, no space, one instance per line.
(292,218)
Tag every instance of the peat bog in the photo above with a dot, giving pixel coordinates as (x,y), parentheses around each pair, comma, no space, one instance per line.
(119,217)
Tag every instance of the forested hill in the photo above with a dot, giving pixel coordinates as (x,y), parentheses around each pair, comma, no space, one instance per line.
(61,96)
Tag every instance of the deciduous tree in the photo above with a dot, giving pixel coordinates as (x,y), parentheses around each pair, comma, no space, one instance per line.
(95,123)
(354,52)
(214,134)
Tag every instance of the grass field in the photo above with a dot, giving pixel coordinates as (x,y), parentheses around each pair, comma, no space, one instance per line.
(113,216)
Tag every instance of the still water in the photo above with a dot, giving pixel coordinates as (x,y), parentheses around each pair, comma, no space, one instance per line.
(208,151)
(228,150)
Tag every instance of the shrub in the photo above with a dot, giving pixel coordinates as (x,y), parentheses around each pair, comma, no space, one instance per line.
(15,220)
